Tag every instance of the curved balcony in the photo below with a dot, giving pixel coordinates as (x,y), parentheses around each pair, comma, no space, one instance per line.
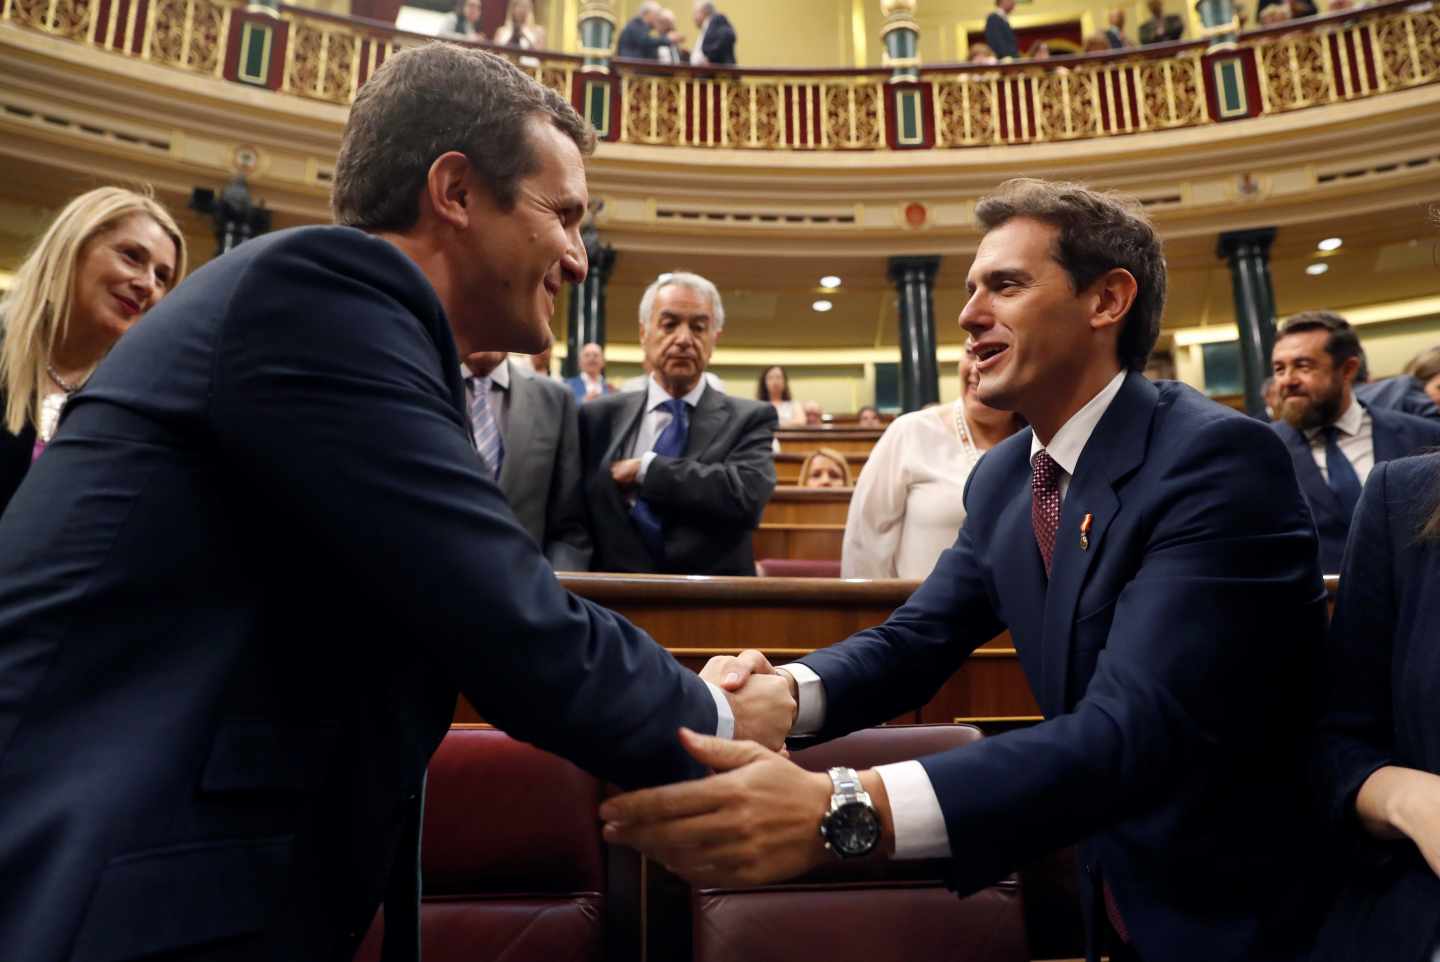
(296,52)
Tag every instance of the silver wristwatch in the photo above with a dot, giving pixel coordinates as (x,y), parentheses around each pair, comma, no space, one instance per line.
(851,828)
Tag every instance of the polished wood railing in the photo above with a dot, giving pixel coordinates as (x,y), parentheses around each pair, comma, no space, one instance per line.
(1299,64)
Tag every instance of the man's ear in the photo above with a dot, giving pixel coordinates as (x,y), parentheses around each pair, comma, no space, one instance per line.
(450,189)
(1349,369)
(1114,293)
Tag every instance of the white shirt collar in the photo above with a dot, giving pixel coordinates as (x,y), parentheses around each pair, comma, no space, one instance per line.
(658,395)
(1003,14)
(499,375)
(1349,423)
(1068,443)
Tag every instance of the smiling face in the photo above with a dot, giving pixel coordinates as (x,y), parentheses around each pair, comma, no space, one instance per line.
(1038,344)
(679,338)
(121,273)
(516,261)
(592,359)
(1313,392)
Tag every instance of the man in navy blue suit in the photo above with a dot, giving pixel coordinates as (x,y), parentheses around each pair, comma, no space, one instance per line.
(998,32)
(1335,439)
(1152,557)
(242,588)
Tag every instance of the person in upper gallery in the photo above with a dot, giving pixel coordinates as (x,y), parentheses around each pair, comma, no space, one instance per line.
(999,35)
(1095,43)
(869,417)
(243,588)
(1415,390)
(715,43)
(520,29)
(466,21)
(638,40)
(980,53)
(526,430)
(1377,757)
(909,503)
(1115,32)
(670,38)
(677,475)
(1162,27)
(1334,439)
(590,383)
(825,468)
(1154,561)
(108,257)
(814,413)
(774,388)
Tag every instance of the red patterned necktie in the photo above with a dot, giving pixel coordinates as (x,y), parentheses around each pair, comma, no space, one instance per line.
(1045,504)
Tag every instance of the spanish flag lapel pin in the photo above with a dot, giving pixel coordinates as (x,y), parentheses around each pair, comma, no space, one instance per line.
(1085,531)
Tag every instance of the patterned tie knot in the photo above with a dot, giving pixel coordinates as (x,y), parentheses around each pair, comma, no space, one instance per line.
(1045,473)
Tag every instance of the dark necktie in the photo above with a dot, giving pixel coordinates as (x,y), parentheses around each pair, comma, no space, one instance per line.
(1341,473)
(1045,504)
(670,444)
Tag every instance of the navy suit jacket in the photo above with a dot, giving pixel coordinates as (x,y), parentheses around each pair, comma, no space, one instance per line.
(1400,393)
(1395,435)
(710,500)
(1001,36)
(1167,657)
(577,387)
(719,44)
(638,41)
(1382,707)
(238,597)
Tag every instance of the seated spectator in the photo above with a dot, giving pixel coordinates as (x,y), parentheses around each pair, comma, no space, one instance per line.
(110,255)
(1160,366)
(520,29)
(1039,51)
(909,502)
(869,417)
(814,414)
(590,383)
(1269,391)
(1425,368)
(825,468)
(982,54)
(1378,758)
(1404,392)
(1162,27)
(1273,13)
(1334,440)
(774,387)
(466,22)
(677,476)
(1096,43)
(1115,33)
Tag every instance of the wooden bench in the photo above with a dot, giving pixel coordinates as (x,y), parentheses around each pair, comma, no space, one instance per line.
(791,504)
(801,542)
(845,440)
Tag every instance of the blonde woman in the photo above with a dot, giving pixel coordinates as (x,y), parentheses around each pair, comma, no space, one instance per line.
(520,29)
(107,259)
(825,468)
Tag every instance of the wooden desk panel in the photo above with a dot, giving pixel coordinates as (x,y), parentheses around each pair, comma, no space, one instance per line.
(801,542)
(845,440)
(795,505)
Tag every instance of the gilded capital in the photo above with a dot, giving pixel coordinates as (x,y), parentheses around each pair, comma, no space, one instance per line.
(891,7)
(899,15)
(603,9)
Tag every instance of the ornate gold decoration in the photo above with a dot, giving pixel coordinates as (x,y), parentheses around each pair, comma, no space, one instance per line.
(891,7)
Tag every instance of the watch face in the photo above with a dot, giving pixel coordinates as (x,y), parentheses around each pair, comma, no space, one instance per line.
(852,829)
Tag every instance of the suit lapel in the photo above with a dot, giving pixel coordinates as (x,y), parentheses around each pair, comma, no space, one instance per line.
(706,421)
(1317,492)
(627,422)
(1386,440)
(519,422)
(1115,450)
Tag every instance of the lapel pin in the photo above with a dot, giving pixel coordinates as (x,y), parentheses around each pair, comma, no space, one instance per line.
(1085,531)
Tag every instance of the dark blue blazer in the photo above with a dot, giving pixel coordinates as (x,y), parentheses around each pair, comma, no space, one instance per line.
(1382,707)
(1001,36)
(719,44)
(576,385)
(638,41)
(1395,435)
(1165,658)
(1399,393)
(239,594)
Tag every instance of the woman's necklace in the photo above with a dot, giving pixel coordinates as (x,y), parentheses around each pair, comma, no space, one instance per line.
(60,382)
(967,440)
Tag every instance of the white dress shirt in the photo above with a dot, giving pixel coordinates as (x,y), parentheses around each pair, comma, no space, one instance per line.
(697,53)
(909,503)
(656,420)
(1356,440)
(915,809)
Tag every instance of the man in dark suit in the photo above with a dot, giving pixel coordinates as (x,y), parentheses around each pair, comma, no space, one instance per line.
(1115,33)
(638,40)
(1162,27)
(590,383)
(527,433)
(242,590)
(715,44)
(1334,439)
(999,35)
(1152,558)
(677,475)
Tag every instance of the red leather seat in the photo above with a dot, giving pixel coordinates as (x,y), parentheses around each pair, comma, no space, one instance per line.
(876,911)
(511,856)
(797,568)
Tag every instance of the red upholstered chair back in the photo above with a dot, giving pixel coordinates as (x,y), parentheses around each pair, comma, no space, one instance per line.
(797,568)
(877,911)
(511,856)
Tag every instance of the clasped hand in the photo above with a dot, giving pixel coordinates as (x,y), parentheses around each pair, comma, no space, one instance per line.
(763,702)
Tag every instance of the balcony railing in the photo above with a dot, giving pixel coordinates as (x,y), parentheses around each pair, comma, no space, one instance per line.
(298,52)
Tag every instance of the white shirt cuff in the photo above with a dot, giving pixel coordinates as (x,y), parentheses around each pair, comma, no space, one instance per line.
(724,717)
(914,809)
(809,699)
(645,460)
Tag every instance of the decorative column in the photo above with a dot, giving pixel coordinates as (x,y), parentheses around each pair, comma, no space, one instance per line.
(914,279)
(597,33)
(901,37)
(587,300)
(236,216)
(1220,25)
(1248,252)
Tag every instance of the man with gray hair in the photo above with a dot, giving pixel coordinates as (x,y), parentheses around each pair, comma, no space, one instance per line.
(677,475)
(638,40)
(715,44)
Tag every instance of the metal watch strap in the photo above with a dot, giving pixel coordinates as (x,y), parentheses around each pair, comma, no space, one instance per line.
(847,784)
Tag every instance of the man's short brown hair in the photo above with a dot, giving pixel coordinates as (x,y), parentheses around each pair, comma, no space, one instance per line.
(430,100)
(1341,342)
(1098,232)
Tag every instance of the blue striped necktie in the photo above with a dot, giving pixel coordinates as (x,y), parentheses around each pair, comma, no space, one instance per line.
(484,427)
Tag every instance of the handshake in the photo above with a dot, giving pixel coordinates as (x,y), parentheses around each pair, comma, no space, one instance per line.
(757,819)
